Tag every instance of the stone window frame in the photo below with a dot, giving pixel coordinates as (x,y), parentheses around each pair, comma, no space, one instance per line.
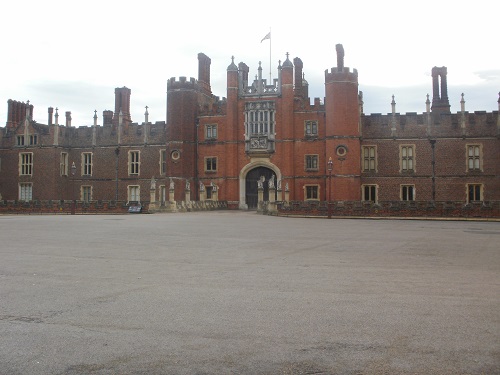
(311,128)
(468,192)
(87,163)
(22,187)
(33,139)
(25,164)
(20,141)
(312,159)
(210,130)
(478,157)
(312,192)
(64,164)
(363,193)
(134,162)
(402,192)
(409,159)
(136,195)
(83,195)
(368,159)
(163,162)
(210,166)
(163,194)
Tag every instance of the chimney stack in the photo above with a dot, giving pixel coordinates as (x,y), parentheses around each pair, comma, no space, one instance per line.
(68,118)
(51,111)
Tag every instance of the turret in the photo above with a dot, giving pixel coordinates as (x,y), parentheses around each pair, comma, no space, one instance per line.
(343,129)
(181,129)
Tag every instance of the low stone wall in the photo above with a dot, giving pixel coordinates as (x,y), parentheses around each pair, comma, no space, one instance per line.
(391,209)
(62,207)
(103,207)
(181,206)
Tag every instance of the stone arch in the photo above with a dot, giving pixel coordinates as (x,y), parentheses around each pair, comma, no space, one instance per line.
(243,174)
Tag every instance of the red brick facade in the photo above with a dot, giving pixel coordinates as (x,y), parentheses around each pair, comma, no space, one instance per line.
(261,128)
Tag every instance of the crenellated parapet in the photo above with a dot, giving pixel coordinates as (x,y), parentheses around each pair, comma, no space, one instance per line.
(182,84)
(341,75)
(301,104)
(217,107)
(413,125)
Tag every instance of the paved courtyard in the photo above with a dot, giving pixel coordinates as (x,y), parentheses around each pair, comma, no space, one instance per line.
(239,293)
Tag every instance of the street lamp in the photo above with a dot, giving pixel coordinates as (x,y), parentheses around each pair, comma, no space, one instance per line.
(330,168)
(73,201)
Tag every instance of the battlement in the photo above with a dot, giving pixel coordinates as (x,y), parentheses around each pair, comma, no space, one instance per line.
(414,125)
(218,107)
(305,105)
(341,74)
(182,84)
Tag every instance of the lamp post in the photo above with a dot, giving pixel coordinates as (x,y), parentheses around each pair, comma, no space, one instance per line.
(73,201)
(330,168)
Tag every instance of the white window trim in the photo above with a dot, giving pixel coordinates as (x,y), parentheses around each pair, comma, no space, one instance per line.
(63,167)
(212,126)
(138,193)
(91,192)
(130,163)
(375,158)
(363,192)
(401,193)
(91,164)
(163,162)
(413,158)
(481,191)
(31,191)
(21,164)
(480,157)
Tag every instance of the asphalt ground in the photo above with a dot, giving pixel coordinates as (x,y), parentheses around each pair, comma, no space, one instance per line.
(240,293)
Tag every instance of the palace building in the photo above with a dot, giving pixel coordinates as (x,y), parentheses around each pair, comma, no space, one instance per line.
(262,133)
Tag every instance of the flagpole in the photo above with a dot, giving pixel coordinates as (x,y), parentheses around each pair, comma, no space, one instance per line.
(270,41)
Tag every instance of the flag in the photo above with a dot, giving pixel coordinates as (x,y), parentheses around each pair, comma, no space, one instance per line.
(268,36)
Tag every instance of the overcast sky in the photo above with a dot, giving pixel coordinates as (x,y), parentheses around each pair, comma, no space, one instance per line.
(72,55)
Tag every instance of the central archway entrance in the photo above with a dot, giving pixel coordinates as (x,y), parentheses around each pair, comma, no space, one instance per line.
(251,192)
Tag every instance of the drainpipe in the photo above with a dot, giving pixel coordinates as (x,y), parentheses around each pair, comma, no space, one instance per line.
(197,185)
(433,144)
(117,152)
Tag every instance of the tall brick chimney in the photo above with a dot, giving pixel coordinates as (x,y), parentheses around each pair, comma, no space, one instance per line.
(107,117)
(68,118)
(297,63)
(204,73)
(122,103)
(440,102)
(51,111)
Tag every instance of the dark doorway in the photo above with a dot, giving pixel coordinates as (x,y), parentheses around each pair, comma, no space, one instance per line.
(251,192)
